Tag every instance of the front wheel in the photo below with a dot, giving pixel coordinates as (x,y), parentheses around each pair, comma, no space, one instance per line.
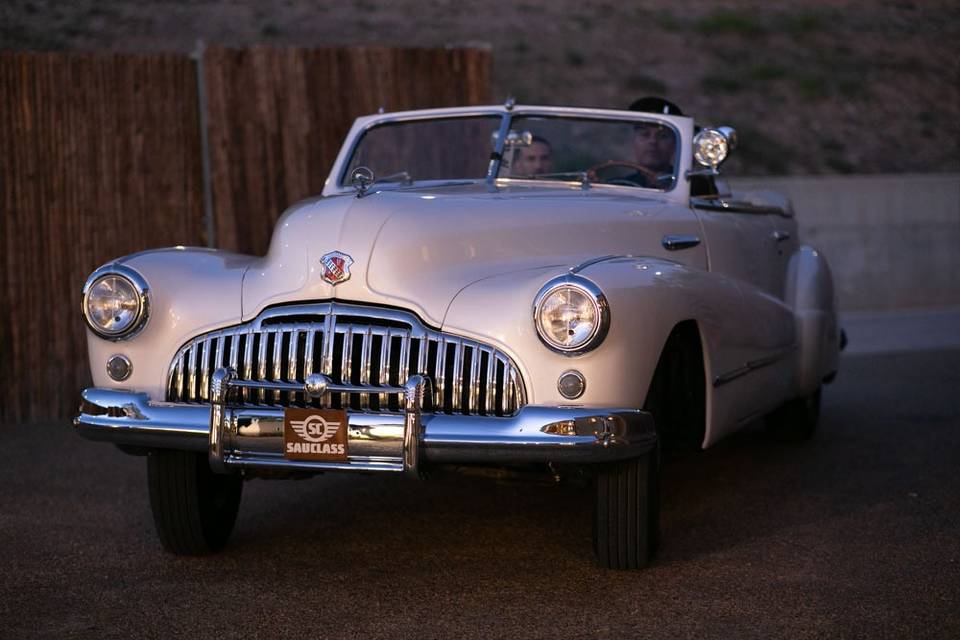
(194,509)
(626,517)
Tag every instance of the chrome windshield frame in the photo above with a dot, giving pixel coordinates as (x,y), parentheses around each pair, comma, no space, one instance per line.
(681,125)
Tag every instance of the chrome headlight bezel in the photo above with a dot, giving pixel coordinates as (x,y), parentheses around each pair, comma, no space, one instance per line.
(593,293)
(710,147)
(141,291)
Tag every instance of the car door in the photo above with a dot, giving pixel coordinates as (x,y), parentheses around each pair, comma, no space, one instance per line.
(748,243)
(751,245)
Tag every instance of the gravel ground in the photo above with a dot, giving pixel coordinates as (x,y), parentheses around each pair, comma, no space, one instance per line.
(855,534)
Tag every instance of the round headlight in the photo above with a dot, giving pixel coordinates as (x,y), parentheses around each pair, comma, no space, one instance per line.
(710,147)
(571,315)
(115,302)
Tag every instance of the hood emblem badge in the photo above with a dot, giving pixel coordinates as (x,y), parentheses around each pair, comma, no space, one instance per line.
(335,267)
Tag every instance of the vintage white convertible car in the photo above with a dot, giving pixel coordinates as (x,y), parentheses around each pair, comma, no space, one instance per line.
(505,286)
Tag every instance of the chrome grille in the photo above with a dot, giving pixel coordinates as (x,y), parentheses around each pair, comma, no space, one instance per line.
(351,344)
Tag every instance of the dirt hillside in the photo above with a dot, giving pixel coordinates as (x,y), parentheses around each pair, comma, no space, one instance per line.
(825,86)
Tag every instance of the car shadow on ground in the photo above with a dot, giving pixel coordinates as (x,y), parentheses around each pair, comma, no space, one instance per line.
(748,486)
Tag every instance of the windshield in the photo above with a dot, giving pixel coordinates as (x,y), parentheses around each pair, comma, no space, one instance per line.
(417,150)
(621,152)
(629,153)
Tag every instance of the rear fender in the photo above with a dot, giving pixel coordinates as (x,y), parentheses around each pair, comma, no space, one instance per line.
(810,293)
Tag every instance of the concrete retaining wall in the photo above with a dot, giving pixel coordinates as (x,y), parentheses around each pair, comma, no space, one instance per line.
(893,241)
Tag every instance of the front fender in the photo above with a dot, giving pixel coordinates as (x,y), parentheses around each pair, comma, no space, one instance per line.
(648,297)
(192,291)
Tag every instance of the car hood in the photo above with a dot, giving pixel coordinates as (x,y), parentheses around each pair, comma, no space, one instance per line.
(417,248)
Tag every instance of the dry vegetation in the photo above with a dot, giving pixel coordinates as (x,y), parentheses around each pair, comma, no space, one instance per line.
(826,86)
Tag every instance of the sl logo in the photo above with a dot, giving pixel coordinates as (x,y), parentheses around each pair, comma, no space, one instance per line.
(315,428)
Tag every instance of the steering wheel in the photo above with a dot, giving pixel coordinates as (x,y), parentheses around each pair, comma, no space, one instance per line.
(593,172)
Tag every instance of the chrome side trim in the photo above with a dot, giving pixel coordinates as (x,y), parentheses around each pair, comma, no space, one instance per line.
(736,206)
(751,365)
(592,261)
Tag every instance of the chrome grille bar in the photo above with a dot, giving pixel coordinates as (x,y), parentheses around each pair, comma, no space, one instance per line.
(457,375)
(292,363)
(181,367)
(404,358)
(262,361)
(234,351)
(365,348)
(491,382)
(383,377)
(474,397)
(286,344)
(277,362)
(219,351)
(247,361)
(423,346)
(308,353)
(440,379)
(329,327)
(192,381)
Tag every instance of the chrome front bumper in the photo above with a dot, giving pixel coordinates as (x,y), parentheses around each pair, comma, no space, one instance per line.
(238,437)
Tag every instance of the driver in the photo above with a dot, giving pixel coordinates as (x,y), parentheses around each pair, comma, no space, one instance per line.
(532,160)
(654,145)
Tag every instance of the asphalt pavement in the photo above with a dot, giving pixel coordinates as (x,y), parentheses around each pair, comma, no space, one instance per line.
(854,534)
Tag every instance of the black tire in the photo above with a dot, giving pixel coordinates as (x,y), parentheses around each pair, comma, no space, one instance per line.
(677,394)
(626,515)
(795,421)
(194,509)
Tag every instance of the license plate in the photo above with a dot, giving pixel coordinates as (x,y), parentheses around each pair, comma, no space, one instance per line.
(315,434)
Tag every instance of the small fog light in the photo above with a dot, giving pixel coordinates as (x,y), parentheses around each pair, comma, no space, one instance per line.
(119,368)
(571,385)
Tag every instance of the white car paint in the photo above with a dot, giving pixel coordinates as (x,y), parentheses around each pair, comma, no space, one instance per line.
(469,259)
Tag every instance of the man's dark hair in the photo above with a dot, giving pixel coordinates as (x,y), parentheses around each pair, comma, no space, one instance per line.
(653,104)
(542,140)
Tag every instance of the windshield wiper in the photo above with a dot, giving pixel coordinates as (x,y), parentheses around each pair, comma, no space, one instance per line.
(402,177)
(537,176)
(576,175)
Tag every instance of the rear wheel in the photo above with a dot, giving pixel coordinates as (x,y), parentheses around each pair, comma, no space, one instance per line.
(194,509)
(795,421)
(626,516)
